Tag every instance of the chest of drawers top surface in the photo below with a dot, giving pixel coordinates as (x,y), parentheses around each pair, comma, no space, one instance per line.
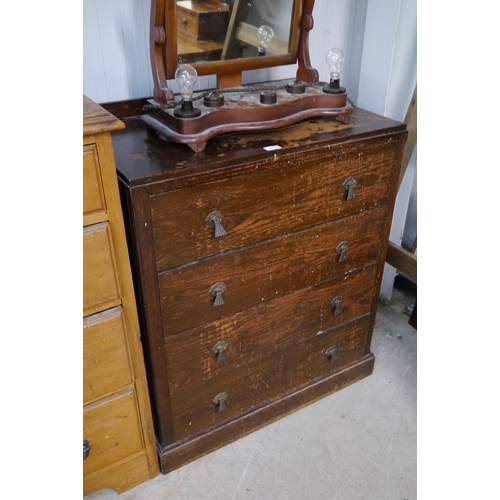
(143,158)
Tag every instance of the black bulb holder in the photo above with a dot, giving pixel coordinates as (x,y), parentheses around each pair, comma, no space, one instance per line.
(334,87)
(187,110)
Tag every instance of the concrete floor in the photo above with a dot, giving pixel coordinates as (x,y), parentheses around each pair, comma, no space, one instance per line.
(357,444)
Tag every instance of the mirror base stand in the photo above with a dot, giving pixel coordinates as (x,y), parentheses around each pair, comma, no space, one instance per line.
(244,111)
(229,80)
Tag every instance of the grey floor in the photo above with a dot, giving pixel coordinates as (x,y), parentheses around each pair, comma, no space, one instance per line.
(357,444)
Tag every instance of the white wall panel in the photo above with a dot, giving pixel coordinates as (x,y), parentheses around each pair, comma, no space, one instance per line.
(116,48)
(94,71)
(388,75)
(389,62)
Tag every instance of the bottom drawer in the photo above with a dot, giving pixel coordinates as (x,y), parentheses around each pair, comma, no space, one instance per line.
(252,385)
(113,430)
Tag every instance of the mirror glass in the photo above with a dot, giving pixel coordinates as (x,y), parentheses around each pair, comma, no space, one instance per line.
(223,30)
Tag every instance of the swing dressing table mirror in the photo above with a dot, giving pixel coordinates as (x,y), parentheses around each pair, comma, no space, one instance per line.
(225,38)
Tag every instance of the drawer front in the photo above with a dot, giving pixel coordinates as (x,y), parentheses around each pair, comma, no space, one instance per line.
(106,367)
(100,283)
(251,386)
(113,431)
(266,204)
(93,193)
(244,337)
(267,271)
(201,21)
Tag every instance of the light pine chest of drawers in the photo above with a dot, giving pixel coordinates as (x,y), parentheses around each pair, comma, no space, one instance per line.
(257,265)
(118,435)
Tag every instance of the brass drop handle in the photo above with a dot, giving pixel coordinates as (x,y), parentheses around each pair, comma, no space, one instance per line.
(215,219)
(220,400)
(342,249)
(216,291)
(184,22)
(335,303)
(349,184)
(219,349)
(331,352)
(86,448)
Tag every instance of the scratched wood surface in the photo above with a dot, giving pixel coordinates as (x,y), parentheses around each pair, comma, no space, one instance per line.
(257,332)
(283,199)
(285,214)
(266,271)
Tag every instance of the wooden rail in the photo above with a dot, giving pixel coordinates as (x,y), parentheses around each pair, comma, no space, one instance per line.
(398,257)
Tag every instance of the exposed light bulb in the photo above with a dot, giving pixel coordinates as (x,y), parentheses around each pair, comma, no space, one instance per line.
(264,36)
(335,60)
(186,76)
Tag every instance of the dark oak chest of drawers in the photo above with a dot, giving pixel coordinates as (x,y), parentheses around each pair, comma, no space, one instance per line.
(257,265)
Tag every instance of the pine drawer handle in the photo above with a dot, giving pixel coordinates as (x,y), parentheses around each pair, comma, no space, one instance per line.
(86,448)
(349,185)
(335,303)
(342,249)
(215,219)
(219,349)
(220,400)
(331,352)
(216,291)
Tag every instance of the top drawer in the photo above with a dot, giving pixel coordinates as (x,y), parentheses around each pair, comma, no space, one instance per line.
(94,201)
(257,206)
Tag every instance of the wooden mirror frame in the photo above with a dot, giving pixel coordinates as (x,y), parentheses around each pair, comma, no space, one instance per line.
(163,51)
(278,105)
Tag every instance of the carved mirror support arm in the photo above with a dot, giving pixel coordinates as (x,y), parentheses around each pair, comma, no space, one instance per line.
(158,46)
(305,72)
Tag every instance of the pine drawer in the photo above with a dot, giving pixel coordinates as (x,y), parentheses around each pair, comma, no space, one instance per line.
(106,365)
(112,428)
(94,201)
(100,281)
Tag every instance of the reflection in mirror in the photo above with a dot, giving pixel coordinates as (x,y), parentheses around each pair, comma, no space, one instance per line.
(215,30)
